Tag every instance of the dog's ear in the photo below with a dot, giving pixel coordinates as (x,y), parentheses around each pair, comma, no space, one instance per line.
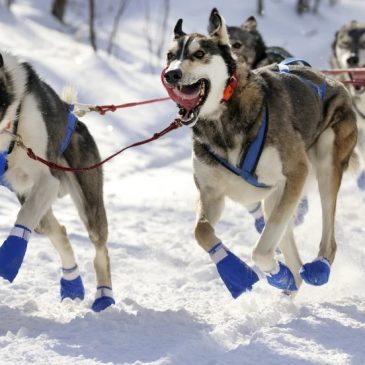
(217,27)
(178,32)
(1,61)
(249,24)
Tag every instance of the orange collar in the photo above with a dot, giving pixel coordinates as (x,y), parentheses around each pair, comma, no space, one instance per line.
(229,90)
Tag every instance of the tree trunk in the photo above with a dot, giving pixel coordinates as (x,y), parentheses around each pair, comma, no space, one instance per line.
(58,9)
(260,7)
(91,24)
(9,3)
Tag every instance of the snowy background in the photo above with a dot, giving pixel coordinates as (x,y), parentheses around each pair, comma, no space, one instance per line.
(171,307)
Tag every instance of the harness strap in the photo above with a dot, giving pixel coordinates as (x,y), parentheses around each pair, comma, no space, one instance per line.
(71,125)
(283,68)
(250,159)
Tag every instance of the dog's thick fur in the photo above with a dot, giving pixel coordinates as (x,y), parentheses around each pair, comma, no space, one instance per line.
(348,51)
(304,132)
(249,46)
(42,124)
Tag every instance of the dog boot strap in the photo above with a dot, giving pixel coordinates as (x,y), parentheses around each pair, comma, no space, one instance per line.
(236,275)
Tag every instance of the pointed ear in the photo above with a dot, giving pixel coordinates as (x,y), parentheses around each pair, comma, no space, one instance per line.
(217,27)
(1,61)
(178,32)
(250,24)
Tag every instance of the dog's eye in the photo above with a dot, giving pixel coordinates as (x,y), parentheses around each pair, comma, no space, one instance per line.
(236,45)
(170,56)
(199,54)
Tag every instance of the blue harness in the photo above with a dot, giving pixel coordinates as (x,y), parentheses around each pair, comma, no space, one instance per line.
(247,167)
(71,125)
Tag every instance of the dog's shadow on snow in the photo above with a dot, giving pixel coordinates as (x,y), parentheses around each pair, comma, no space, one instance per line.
(176,337)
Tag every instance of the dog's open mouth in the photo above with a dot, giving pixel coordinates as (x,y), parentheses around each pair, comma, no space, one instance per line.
(189,98)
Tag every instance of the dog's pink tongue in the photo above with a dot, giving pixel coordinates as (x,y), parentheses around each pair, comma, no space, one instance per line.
(188,101)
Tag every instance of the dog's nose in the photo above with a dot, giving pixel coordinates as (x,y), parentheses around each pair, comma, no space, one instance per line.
(353,60)
(173,76)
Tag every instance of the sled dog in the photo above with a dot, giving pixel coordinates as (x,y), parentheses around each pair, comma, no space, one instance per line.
(256,135)
(348,51)
(30,109)
(249,46)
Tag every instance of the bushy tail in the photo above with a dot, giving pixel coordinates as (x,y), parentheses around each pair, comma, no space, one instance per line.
(69,95)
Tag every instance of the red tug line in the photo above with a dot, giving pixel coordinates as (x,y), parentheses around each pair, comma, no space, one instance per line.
(357,78)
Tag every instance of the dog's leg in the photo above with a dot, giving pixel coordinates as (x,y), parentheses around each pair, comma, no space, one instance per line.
(71,283)
(35,205)
(263,254)
(287,244)
(87,194)
(236,275)
(333,152)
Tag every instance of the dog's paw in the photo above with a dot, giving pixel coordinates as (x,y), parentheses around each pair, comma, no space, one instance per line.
(73,289)
(236,275)
(361,180)
(316,272)
(260,224)
(302,210)
(282,279)
(102,303)
(12,253)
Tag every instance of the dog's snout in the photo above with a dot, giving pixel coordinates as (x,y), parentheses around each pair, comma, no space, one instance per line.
(353,60)
(173,76)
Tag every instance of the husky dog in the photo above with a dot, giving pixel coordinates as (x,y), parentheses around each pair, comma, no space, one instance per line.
(348,51)
(256,136)
(249,46)
(30,109)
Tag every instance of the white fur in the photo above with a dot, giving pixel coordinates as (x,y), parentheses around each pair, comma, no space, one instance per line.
(217,74)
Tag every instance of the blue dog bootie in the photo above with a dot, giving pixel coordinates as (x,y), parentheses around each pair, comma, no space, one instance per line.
(236,275)
(103,298)
(361,180)
(282,278)
(71,285)
(302,211)
(256,212)
(12,252)
(316,272)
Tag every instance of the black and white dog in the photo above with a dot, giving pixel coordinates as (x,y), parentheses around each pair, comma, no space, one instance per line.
(32,111)
(348,51)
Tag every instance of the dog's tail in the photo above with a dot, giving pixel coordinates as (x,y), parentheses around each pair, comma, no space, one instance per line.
(69,95)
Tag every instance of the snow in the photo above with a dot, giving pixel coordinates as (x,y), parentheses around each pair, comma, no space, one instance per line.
(171,307)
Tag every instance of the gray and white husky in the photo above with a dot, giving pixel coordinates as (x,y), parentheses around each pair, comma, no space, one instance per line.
(256,136)
(348,51)
(31,109)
